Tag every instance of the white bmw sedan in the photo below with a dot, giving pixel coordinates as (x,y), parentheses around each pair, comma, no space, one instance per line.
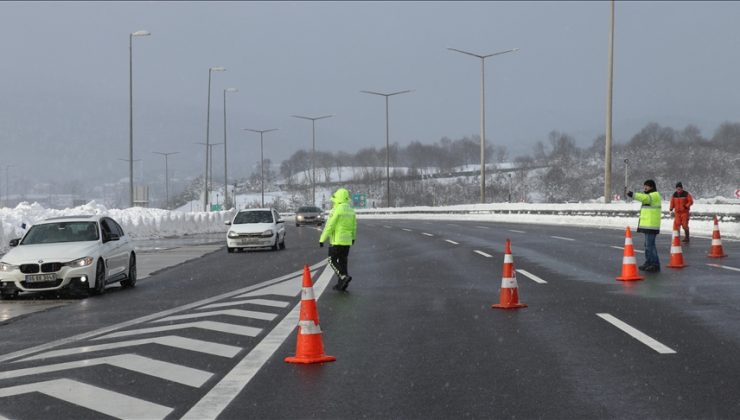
(78,253)
(256,228)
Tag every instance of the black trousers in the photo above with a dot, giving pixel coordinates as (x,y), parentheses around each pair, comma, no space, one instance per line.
(338,259)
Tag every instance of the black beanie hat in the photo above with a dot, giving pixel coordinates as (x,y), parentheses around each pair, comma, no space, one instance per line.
(679,185)
(650,183)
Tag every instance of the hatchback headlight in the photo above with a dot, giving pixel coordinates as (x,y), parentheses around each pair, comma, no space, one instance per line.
(80,262)
(233,234)
(266,234)
(5,267)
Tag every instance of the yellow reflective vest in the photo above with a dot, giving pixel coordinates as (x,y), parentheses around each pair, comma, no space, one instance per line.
(649,212)
(341,228)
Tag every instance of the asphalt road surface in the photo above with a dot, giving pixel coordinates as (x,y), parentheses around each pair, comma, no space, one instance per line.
(415,336)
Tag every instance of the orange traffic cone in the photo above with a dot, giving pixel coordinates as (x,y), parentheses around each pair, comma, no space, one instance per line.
(629,263)
(676,252)
(309,345)
(509,294)
(716,251)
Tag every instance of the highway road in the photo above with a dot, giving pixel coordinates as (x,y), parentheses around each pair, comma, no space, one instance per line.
(415,336)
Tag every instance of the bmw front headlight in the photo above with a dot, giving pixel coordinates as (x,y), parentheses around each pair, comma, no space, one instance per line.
(80,262)
(5,267)
(233,234)
(266,234)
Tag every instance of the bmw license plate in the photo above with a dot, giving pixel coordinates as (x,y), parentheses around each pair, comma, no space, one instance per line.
(40,278)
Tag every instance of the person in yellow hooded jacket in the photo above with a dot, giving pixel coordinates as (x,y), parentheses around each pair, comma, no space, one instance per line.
(341,231)
(649,223)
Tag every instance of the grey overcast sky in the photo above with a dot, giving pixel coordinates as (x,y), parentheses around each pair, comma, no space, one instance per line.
(64,76)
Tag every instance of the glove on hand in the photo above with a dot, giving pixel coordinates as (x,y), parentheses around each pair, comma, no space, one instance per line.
(321,244)
(353,241)
(629,194)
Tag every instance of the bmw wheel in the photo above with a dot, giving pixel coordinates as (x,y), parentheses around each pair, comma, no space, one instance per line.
(99,279)
(131,277)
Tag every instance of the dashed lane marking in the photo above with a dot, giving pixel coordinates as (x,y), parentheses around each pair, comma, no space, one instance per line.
(483,253)
(387,227)
(207,347)
(526,273)
(407,230)
(483,227)
(426,234)
(637,334)
(98,399)
(726,267)
(562,238)
(622,248)
(517,231)
(452,242)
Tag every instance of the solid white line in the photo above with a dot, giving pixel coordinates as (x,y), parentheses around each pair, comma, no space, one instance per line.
(637,334)
(263,302)
(133,362)
(91,397)
(483,253)
(726,267)
(174,341)
(452,242)
(517,231)
(526,273)
(205,325)
(563,238)
(229,312)
(426,234)
(63,341)
(407,230)
(622,248)
(221,395)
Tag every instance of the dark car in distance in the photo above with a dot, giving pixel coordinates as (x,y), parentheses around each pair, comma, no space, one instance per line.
(309,215)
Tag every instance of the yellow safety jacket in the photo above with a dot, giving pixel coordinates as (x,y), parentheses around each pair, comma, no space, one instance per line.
(341,228)
(649,212)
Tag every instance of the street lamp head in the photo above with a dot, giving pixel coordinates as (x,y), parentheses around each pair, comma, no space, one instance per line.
(141,33)
(312,118)
(217,69)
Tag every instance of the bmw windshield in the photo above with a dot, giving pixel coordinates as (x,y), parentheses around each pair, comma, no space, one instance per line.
(50,233)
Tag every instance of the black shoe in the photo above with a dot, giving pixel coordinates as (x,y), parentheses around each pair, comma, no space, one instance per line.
(345,283)
(337,286)
(652,269)
(643,267)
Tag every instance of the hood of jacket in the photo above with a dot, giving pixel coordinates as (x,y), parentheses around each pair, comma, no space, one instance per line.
(340,196)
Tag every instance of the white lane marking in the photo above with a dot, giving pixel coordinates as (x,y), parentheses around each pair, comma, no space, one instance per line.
(263,302)
(452,242)
(563,238)
(228,312)
(622,248)
(63,341)
(526,273)
(289,288)
(426,234)
(221,395)
(726,267)
(637,334)
(91,397)
(483,253)
(183,343)
(386,226)
(133,362)
(483,227)
(204,325)
(517,231)
(407,230)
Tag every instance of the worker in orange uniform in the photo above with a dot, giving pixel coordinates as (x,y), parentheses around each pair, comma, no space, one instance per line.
(681,202)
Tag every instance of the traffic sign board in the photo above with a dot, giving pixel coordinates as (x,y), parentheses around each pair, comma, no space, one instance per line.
(737,193)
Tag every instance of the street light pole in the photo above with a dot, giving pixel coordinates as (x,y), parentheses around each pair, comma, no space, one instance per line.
(262,159)
(166,176)
(608,145)
(226,166)
(209,154)
(208,142)
(131,111)
(313,149)
(387,140)
(483,115)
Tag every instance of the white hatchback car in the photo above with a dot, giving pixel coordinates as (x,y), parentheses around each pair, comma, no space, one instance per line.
(79,253)
(256,228)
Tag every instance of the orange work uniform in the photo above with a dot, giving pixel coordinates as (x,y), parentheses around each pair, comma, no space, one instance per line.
(681,202)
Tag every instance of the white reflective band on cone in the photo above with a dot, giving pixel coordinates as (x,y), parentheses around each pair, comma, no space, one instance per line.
(629,260)
(675,233)
(508,258)
(716,242)
(628,241)
(309,327)
(307,293)
(676,250)
(508,283)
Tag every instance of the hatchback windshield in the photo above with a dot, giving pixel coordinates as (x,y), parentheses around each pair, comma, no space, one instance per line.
(309,210)
(49,233)
(259,216)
